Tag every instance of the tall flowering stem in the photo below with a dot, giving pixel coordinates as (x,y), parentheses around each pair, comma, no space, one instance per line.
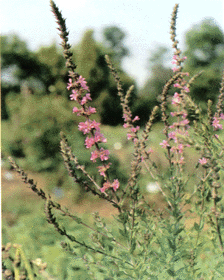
(80,93)
(128,124)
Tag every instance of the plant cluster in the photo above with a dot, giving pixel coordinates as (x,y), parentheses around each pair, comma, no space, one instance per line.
(145,243)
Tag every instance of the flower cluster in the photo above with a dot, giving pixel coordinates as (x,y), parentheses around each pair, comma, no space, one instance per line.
(178,129)
(216,121)
(81,94)
(176,61)
(128,123)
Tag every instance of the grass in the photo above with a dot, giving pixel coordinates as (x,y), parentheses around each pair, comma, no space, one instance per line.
(23,216)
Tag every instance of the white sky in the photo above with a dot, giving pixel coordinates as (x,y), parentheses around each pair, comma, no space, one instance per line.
(146,23)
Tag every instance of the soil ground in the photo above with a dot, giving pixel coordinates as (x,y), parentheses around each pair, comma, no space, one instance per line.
(14,190)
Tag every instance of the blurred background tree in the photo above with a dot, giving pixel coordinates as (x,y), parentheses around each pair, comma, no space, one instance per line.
(20,68)
(90,59)
(114,41)
(35,101)
(205,51)
(159,74)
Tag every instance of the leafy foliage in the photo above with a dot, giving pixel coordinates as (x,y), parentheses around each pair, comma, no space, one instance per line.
(205,51)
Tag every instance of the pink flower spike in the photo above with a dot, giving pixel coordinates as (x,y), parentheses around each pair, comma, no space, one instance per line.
(115,185)
(203,161)
(125,125)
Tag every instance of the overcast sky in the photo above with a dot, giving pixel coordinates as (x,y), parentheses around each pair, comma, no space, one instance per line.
(146,23)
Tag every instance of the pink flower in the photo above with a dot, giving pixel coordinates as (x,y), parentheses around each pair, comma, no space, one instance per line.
(82,82)
(181,161)
(186,89)
(74,95)
(85,99)
(106,186)
(103,169)
(176,99)
(115,184)
(88,125)
(172,135)
(164,144)
(125,117)
(203,161)
(177,85)
(136,118)
(135,129)
(94,155)
(216,123)
(76,110)
(129,136)
(99,137)
(89,142)
(180,148)
(125,125)
(70,84)
(85,127)
(89,111)
(104,154)
(175,69)
(95,125)
(184,122)
(173,114)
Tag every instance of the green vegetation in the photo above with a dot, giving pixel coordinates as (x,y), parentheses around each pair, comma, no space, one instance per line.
(174,234)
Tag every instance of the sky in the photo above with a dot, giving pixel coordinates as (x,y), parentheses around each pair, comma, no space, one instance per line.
(146,23)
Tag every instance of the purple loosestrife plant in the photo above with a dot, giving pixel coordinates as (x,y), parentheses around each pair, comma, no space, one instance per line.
(147,243)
